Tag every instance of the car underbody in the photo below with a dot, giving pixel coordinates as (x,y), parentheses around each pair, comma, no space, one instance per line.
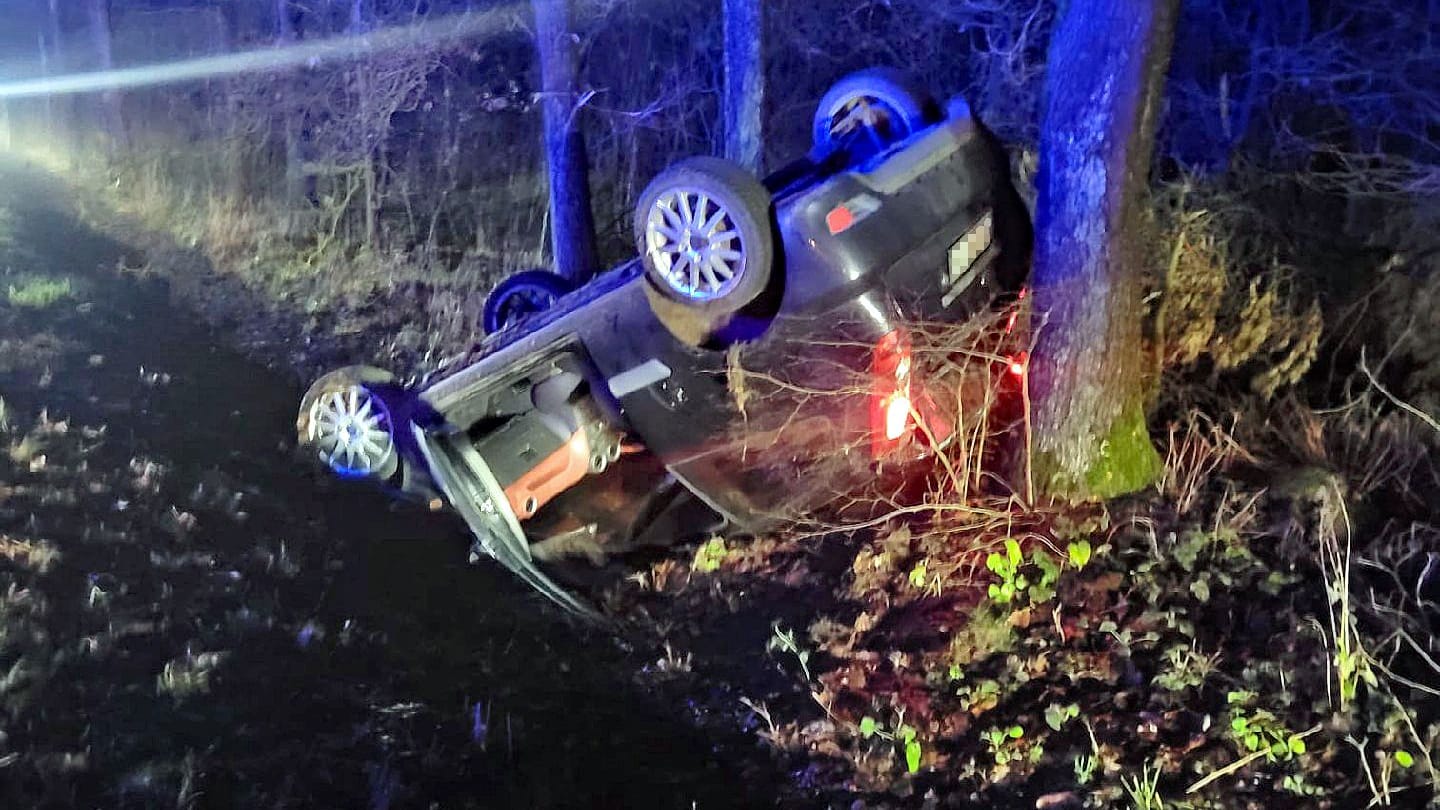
(625,388)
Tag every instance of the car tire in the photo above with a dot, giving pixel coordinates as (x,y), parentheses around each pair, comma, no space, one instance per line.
(907,107)
(521,296)
(677,221)
(345,419)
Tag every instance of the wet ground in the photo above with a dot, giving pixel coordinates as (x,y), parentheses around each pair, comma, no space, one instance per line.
(189,616)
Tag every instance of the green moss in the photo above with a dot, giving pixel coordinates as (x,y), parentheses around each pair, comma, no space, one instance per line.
(1126,462)
(38,292)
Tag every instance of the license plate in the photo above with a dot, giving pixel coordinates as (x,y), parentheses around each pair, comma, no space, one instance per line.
(964,257)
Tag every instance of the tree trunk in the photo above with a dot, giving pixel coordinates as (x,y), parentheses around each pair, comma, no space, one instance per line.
(294,188)
(237,179)
(744,82)
(572,225)
(46,70)
(61,105)
(57,46)
(1088,379)
(111,111)
(369,127)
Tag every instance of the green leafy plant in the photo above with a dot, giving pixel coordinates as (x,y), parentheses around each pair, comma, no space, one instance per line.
(1014,582)
(1043,590)
(784,640)
(710,555)
(1004,745)
(1007,567)
(1056,716)
(918,575)
(1085,765)
(1185,669)
(904,735)
(1297,784)
(1079,552)
(1256,730)
(981,696)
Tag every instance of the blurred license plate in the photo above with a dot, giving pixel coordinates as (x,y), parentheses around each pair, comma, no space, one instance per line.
(964,257)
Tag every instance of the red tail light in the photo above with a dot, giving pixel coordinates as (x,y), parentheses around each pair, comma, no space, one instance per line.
(897,416)
(1018,363)
(891,409)
(892,355)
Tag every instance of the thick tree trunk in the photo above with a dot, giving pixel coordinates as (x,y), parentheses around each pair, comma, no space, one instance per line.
(744,82)
(111,111)
(572,225)
(1088,380)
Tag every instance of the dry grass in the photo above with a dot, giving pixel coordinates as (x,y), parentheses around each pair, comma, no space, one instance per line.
(35,555)
(1226,302)
(813,435)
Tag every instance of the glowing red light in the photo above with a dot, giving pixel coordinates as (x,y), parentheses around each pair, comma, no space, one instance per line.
(897,416)
(1017,364)
(839,219)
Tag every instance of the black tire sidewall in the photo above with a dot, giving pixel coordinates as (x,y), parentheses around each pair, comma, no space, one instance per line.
(553,283)
(891,86)
(749,205)
(373,380)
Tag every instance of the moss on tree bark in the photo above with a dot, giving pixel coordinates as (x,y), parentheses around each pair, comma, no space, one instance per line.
(1089,379)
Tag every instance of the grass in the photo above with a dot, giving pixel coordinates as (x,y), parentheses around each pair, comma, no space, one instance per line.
(39,292)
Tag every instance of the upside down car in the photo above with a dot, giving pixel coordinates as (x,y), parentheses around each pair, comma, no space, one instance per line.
(902,212)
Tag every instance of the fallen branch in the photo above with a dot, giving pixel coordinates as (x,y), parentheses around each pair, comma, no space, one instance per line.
(1398,402)
(1241,763)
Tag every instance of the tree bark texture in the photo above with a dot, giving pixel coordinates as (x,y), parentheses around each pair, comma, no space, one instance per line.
(1106,69)
(572,224)
(744,82)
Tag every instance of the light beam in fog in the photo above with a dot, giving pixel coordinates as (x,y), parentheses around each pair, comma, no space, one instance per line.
(428,34)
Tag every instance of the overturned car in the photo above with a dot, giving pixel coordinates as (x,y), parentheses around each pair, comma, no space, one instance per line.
(624,389)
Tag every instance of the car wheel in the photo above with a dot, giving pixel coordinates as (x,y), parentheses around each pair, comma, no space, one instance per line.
(522,295)
(705,235)
(881,105)
(348,423)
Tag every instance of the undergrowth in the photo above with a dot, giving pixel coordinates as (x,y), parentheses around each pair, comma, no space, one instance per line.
(38,292)
(1253,629)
